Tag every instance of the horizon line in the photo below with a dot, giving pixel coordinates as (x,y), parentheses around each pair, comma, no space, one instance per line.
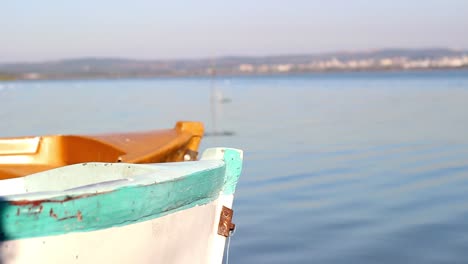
(214,58)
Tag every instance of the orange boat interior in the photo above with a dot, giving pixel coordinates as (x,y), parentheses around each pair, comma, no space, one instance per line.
(27,155)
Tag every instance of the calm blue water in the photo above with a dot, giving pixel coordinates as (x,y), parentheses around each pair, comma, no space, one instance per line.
(339,168)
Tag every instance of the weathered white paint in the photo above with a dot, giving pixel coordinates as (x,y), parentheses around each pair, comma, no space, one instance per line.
(12,186)
(99,177)
(218,241)
(188,236)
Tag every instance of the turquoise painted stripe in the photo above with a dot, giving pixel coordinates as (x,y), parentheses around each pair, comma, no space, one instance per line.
(121,206)
(233,160)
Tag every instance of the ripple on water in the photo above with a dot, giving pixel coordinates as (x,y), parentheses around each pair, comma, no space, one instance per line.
(361,204)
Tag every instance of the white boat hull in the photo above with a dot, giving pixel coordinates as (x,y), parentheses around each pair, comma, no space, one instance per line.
(41,229)
(188,236)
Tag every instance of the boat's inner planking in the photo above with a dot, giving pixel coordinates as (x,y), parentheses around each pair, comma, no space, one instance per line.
(27,155)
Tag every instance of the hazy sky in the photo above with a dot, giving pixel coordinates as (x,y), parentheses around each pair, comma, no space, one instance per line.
(150,29)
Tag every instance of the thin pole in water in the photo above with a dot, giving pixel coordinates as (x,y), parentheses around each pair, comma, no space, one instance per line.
(213,98)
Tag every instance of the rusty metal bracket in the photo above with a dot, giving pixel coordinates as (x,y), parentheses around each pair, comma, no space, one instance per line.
(225,222)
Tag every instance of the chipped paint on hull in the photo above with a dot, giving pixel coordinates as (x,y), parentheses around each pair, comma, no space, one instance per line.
(87,209)
(167,239)
(103,210)
(233,160)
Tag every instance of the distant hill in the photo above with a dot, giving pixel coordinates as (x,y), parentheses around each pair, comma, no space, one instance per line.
(385,59)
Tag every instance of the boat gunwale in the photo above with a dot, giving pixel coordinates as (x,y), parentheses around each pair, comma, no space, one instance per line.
(154,175)
(81,210)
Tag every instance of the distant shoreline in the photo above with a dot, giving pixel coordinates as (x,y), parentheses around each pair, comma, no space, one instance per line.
(291,74)
(387,60)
